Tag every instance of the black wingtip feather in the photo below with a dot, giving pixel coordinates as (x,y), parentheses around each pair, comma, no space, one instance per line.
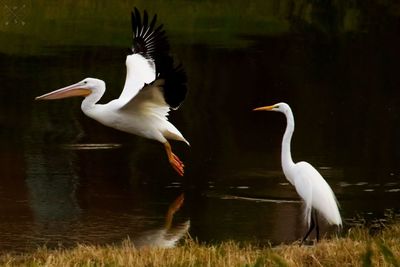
(146,36)
(145,19)
(175,88)
(138,19)
(153,22)
(151,41)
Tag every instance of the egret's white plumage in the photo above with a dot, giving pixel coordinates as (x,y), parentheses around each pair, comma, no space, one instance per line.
(152,87)
(309,183)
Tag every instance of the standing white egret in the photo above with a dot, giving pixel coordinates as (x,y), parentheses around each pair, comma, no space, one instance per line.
(310,185)
(152,87)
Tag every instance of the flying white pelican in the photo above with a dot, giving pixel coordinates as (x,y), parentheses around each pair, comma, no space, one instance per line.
(310,185)
(152,87)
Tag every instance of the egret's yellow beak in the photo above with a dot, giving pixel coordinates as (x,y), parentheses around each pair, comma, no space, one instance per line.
(69,91)
(266,108)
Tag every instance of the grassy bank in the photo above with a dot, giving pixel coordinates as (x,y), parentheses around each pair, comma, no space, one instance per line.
(357,248)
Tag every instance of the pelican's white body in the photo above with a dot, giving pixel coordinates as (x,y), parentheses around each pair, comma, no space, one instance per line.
(309,183)
(138,123)
(137,111)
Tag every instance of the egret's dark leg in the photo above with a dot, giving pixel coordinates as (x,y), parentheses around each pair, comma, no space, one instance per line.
(312,225)
(316,224)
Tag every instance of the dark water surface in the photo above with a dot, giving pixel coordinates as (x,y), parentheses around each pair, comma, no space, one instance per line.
(66,179)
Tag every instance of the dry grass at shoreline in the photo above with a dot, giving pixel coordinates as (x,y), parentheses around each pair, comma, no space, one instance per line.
(357,248)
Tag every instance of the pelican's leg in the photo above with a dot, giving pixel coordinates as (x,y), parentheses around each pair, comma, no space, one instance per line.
(312,225)
(316,224)
(174,207)
(175,162)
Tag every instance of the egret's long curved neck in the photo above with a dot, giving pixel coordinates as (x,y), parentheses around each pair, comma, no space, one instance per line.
(286,155)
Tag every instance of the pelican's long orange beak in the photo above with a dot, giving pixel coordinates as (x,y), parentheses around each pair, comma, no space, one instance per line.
(266,108)
(69,91)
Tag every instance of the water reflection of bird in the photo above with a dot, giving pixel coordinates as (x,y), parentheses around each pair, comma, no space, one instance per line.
(169,234)
(152,87)
(309,184)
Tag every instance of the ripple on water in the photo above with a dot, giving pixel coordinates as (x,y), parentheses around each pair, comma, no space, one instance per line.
(369,190)
(393,190)
(91,146)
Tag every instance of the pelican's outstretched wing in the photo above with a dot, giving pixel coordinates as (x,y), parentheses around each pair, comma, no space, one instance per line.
(158,97)
(151,66)
(155,101)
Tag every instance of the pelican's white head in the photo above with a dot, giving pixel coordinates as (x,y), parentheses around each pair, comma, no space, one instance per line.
(280,107)
(84,88)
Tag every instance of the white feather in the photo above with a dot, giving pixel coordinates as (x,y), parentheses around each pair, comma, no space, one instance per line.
(316,193)
(139,71)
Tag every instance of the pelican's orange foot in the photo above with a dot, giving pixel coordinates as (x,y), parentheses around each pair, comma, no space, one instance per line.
(175,162)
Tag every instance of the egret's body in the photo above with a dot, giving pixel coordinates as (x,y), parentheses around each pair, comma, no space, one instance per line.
(152,87)
(310,185)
